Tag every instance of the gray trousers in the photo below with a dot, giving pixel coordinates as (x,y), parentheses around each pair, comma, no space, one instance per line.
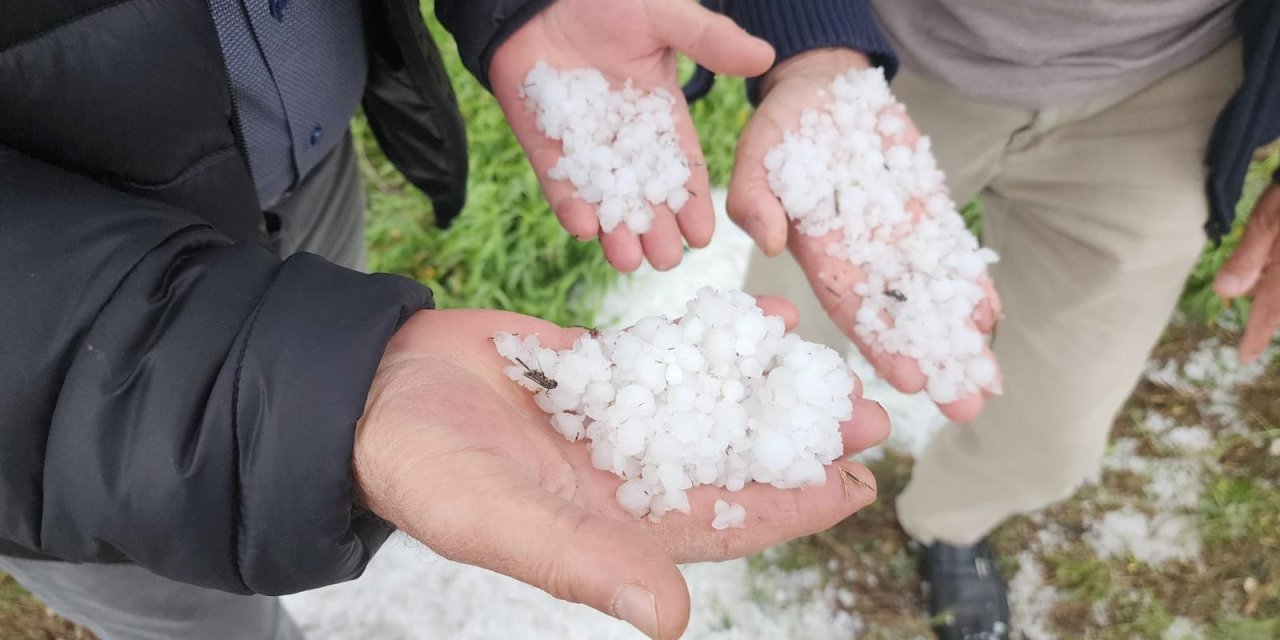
(325,216)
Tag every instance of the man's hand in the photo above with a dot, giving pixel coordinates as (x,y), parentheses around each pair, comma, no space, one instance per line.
(800,83)
(459,457)
(626,39)
(1252,270)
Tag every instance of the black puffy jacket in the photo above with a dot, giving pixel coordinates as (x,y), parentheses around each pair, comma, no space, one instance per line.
(172,393)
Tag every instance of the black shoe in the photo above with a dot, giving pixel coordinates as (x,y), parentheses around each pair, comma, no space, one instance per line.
(965,593)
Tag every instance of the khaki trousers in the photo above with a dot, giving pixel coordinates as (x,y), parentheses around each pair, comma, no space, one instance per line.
(1097,212)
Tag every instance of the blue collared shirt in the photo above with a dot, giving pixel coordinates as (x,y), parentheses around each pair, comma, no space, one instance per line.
(297,70)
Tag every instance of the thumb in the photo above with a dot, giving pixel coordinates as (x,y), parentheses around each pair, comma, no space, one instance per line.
(547,542)
(752,204)
(1242,269)
(710,39)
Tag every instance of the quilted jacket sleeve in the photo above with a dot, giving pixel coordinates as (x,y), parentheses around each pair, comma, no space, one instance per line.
(178,400)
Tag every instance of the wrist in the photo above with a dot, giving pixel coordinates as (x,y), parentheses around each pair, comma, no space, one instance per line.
(369,450)
(825,61)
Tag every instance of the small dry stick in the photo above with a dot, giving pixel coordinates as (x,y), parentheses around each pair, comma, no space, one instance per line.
(846,476)
(591,331)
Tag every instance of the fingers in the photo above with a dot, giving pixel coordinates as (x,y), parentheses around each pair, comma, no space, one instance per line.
(964,410)
(622,249)
(987,314)
(697,219)
(832,280)
(710,39)
(773,515)
(537,538)
(781,307)
(901,372)
(752,204)
(1257,246)
(868,427)
(968,408)
(1264,317)
(662,245)
(576,216)
(1250,268)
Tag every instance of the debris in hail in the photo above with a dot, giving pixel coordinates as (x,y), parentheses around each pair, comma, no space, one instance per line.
(721,397)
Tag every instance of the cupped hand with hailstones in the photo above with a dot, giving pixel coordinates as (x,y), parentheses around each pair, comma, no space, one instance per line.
(625,40)
(795,85)
(458,456)
(1254,270)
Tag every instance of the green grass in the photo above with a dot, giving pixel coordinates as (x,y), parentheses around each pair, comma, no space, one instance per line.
(506,251)
(1239,628)
(1081,574)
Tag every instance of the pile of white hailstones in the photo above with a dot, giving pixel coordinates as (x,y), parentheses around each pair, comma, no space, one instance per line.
(923,267)
(621,149)
(721,397)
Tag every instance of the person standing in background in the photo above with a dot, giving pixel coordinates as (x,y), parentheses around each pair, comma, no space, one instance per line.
(205,402)
(1103,138)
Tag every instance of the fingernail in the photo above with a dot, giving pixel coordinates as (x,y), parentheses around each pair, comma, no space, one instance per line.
(636,606)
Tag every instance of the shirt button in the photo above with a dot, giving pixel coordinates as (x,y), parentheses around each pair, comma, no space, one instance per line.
(316,134)
(277,8)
